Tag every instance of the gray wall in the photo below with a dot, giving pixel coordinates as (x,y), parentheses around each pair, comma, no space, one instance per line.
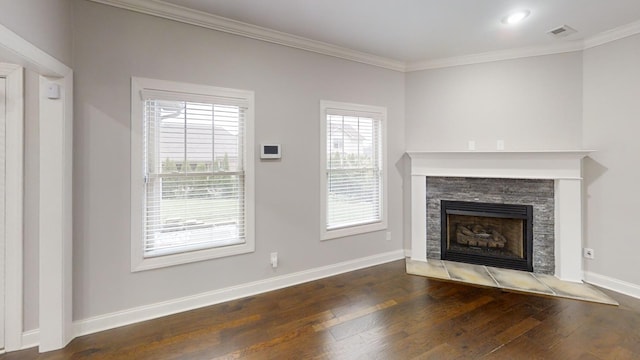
(46,24)
(530,103)
(612,174)
(533,103)
(111,46)
(575,100)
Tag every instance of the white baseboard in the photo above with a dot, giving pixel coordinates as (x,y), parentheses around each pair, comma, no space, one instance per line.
(30,339)
(610,283)
(95,324)
(152,311)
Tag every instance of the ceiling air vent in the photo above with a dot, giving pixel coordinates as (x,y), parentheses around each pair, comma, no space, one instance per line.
(562,31)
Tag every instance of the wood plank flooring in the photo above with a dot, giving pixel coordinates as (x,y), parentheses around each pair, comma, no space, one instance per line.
(375,313)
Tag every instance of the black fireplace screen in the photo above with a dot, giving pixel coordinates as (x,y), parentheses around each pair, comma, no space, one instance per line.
(499,235)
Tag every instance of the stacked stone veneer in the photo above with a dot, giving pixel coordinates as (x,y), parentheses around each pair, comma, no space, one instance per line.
(536,192)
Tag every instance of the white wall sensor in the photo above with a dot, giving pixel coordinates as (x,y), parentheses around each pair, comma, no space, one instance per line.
(53,91)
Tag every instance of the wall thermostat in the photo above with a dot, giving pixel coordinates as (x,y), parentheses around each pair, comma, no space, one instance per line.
(270,151)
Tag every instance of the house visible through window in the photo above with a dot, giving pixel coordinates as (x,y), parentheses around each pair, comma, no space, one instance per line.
(195,175)
(353,176)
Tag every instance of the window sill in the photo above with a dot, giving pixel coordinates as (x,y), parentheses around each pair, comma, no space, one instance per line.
(352,230)
(142,264)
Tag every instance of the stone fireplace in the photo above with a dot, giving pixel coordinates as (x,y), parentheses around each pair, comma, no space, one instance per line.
(528,203)
(541,188)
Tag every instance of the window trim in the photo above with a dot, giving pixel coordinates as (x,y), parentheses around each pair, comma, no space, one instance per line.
(138,261)
(378,111)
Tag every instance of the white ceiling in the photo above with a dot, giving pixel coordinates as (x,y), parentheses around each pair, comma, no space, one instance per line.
(425,30)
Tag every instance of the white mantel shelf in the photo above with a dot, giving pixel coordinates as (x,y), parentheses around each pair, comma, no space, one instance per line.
(562,166)
(525,164)
(480,153)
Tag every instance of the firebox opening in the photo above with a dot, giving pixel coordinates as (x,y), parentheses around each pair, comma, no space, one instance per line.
(487,234)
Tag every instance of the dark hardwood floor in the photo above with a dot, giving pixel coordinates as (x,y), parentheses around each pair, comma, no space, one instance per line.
(376,313)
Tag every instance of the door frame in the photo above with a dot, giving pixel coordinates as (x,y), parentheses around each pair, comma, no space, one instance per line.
(55,204)
(13,236)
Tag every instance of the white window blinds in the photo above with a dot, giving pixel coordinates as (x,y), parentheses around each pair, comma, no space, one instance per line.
(354,169)
(194,173)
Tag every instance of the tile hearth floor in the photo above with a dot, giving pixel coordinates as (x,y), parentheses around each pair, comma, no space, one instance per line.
(512,280)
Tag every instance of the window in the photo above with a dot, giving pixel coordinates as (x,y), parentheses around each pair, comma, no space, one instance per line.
(191,173)
(353,156)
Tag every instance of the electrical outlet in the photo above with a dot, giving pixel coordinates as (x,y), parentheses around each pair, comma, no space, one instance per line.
(588,253)
(388,235)
(471,145)
(274,260)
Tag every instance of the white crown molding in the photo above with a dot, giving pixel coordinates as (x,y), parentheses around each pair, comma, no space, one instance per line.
(612,35)
(556,48)
(509,54)
(198,18)
(219,23)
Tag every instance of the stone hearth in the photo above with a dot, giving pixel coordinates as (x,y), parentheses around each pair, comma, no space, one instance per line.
(509,280)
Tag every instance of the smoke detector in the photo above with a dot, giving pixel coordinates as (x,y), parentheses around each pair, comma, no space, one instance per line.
(562,31)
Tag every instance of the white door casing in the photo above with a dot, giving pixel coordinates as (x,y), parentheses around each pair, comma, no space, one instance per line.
(3,101)
(55,275)
(13,138)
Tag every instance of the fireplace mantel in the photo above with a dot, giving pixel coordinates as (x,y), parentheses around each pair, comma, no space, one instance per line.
(562,166)
(542,164)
